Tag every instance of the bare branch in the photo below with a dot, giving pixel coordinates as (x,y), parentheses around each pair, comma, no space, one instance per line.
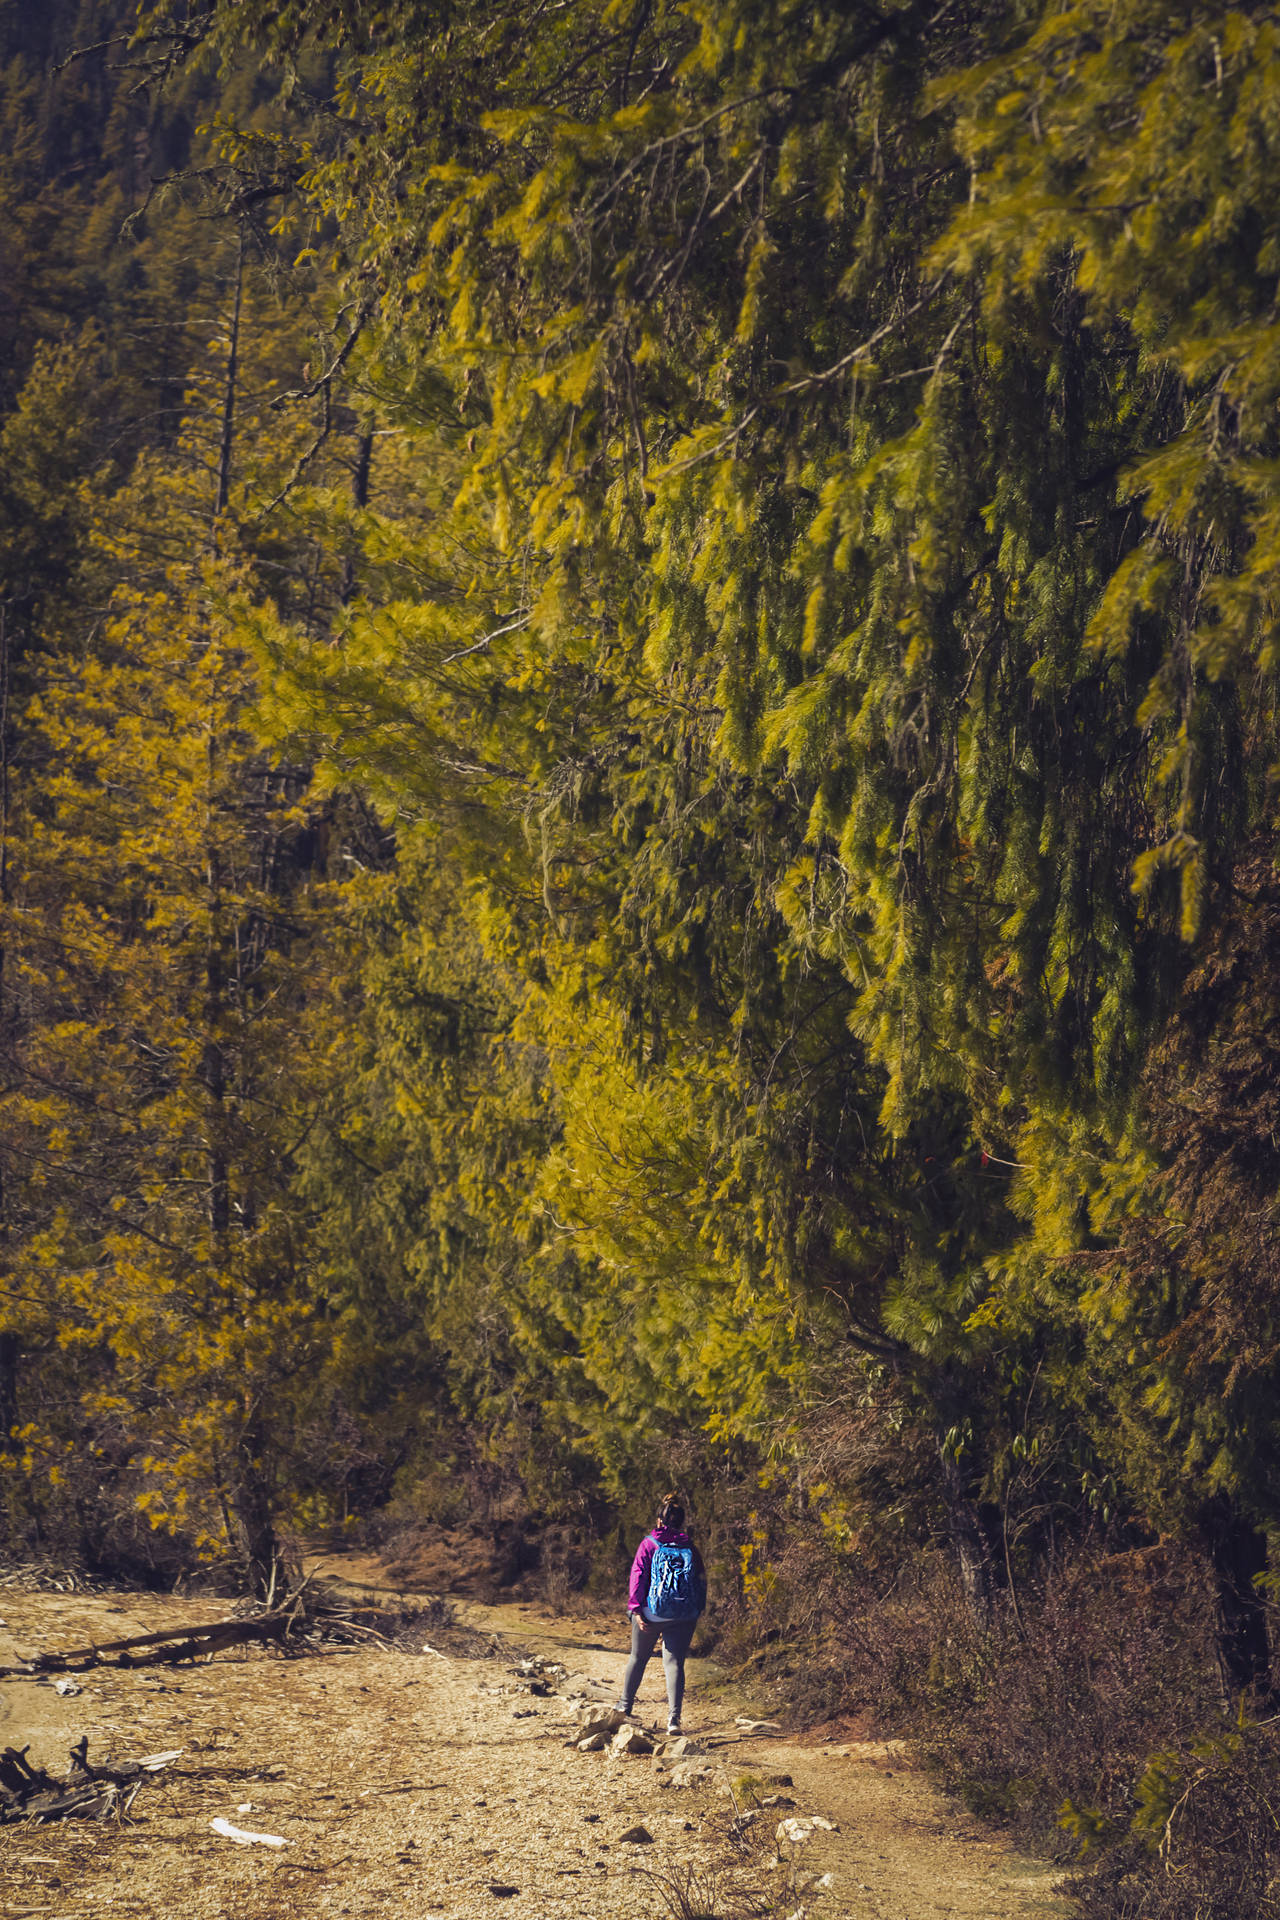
(864,347)
(340,358)
(512,626)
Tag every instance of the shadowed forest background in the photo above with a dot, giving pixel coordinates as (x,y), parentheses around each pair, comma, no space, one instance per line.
(638,752)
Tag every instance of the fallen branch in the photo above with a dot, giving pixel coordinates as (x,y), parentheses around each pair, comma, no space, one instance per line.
(297,1624)
(176,1643)
(92,1793)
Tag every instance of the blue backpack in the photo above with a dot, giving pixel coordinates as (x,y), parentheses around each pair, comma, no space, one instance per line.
(672,1594)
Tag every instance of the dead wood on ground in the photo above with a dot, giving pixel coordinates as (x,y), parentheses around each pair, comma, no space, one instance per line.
(298,1626)
(176,1643)
(28,1792)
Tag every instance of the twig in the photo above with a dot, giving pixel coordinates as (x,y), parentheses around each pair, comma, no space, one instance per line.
(336,365)
(512,626)
(864,347)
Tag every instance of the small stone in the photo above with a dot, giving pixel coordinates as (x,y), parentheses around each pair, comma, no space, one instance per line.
(602,1720)
(500,1891)
(690,1773)
(778,1780)
(777,1800)
(682,1747)
(798,1831)
(594,1743)
(629,1742)
(637,1836)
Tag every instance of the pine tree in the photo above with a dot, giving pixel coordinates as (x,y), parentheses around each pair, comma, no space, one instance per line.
(166,895)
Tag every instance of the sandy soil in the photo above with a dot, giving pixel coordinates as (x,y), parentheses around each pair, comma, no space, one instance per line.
(423,1784)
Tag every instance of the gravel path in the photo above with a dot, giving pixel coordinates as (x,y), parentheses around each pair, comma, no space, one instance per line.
(432,1785)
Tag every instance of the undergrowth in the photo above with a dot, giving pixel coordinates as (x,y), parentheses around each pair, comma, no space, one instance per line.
(1086,1718)
(752,1874)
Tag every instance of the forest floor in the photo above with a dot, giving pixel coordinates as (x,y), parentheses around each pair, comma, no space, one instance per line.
(436,1783)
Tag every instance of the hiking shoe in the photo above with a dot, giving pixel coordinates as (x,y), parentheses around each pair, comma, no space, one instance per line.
(620,1706)
(673,1726)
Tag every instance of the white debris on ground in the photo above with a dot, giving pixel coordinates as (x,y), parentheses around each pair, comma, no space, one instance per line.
(245,1839)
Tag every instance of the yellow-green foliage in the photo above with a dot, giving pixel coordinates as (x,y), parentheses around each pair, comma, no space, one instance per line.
(166,1007)
(845,575)
(790,558)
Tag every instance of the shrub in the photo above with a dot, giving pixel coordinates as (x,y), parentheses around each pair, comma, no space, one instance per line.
(1049,1719)
(1204,1836)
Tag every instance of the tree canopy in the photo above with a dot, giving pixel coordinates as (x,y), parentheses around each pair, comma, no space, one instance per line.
(634,806)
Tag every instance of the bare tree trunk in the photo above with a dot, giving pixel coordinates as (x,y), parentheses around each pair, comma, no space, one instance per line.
(1237,1554)
(969,1543)
(255,1511)
(227,438)
(214,1061)
(360,495)
(251,1501)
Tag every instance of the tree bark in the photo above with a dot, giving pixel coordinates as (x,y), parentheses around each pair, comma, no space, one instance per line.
(969,1543)
(1237,1553)
(256,1522)
(10,1352)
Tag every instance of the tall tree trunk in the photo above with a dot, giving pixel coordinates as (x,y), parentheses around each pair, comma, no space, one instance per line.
(255,1518)
(227,437)
(214,1063)
(360,496)
(1237,1554)
(969,1543)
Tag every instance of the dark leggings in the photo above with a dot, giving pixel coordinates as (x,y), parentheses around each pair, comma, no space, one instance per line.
(677,1636)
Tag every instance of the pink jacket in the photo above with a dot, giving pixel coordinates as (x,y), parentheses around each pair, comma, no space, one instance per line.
(638,1592)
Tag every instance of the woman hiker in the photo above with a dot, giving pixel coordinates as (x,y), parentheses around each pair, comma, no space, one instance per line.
(668,1591)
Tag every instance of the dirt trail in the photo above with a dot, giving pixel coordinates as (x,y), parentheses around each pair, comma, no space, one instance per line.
(901,1852)
(435,1785)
